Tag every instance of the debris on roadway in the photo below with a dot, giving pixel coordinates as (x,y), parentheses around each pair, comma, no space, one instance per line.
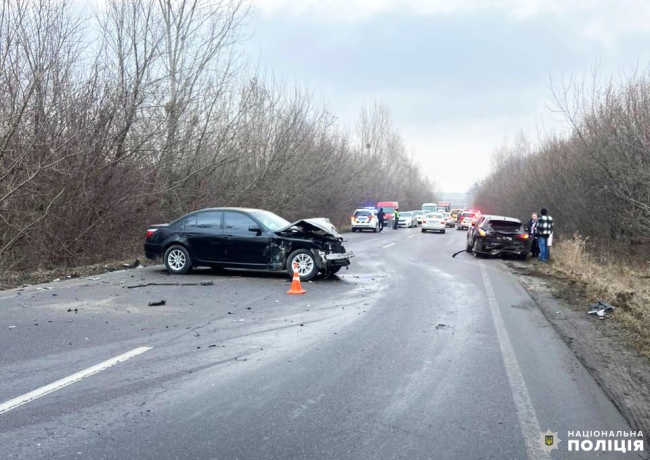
(157,303)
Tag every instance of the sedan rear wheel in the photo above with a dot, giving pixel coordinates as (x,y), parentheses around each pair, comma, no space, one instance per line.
(307,268)
(177,260)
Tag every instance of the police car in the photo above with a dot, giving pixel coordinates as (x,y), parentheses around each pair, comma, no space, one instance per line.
(364,219)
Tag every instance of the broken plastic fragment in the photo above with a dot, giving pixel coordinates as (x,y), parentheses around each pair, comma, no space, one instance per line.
(157,303)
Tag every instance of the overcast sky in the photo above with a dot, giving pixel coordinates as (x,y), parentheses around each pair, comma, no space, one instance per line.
(459,75)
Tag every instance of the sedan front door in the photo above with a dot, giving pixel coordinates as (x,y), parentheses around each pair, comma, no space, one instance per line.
(243,246)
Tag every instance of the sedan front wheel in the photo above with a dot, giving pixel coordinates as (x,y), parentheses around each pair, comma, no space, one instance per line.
(306,262)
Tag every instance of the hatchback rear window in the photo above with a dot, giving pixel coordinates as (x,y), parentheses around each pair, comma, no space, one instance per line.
(362,213)
(504,225)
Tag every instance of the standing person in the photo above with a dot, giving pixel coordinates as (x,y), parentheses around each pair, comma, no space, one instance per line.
(396,217)
(532,233)
(544,230)
(380,218)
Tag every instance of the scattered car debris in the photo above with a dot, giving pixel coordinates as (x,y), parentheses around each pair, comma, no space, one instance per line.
(157,303)
(459,252)
(133,265)
(93,278)
(202,283)
(600,309)
(12,327)
(442,326)
(47,288)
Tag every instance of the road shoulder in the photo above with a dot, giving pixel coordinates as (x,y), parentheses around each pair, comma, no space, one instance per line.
(603,347)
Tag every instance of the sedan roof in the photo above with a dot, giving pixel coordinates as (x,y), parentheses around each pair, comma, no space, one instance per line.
(233,209)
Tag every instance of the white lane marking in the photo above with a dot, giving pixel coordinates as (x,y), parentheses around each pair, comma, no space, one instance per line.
(528,422)
(64,382)
(388,245)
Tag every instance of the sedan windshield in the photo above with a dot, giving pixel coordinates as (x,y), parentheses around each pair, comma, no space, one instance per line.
(405,214)
(271,221)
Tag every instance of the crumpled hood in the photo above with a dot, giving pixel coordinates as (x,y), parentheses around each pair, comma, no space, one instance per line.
(318,225)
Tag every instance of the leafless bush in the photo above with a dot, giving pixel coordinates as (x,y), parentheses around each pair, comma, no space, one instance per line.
(157,117)
(594,180)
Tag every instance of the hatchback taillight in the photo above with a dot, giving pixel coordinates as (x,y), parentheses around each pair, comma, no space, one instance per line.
(150,232)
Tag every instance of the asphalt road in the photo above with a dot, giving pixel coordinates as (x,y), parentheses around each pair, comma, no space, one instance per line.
(409,354)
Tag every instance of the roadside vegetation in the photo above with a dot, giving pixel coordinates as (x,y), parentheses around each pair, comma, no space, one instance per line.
(141,111)
(595,181)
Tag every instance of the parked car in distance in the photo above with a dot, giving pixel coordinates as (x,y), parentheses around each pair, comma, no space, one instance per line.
(450,221)
(465,220)
(418,216)
(247,239)
(434,222)
(407,219)
(497,235)
(364,219)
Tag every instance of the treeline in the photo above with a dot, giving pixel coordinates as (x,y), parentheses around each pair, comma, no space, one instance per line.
(141,111)
(595,180)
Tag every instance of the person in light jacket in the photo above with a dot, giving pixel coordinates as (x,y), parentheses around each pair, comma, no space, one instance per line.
(532,229)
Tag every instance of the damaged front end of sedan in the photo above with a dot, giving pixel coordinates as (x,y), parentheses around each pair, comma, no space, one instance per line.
(317,236)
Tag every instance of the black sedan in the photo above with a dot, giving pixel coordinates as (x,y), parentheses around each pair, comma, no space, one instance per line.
(247,239)
(498,235)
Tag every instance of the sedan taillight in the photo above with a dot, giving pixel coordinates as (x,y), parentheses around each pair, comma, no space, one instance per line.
(150,232)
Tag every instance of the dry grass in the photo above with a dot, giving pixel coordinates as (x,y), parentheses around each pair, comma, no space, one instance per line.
(621,283)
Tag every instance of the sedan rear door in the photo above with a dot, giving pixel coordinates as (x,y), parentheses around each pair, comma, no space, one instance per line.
(205,236)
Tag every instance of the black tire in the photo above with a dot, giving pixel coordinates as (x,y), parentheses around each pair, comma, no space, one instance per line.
(424,231)
(177,260)
(354,230)
(477,248)
(522,256)
(444,231)
(309,260)
(468,246)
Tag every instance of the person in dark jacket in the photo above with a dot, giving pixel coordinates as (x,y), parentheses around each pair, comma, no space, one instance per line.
(532,233)
(380,218)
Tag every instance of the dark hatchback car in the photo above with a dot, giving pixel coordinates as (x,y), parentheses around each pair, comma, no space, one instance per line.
(498,235)
(247,239)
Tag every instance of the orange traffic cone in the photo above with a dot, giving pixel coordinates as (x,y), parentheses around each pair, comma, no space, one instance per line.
(296,287)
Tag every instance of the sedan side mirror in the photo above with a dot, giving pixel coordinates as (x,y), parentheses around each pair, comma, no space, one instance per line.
(254,228)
